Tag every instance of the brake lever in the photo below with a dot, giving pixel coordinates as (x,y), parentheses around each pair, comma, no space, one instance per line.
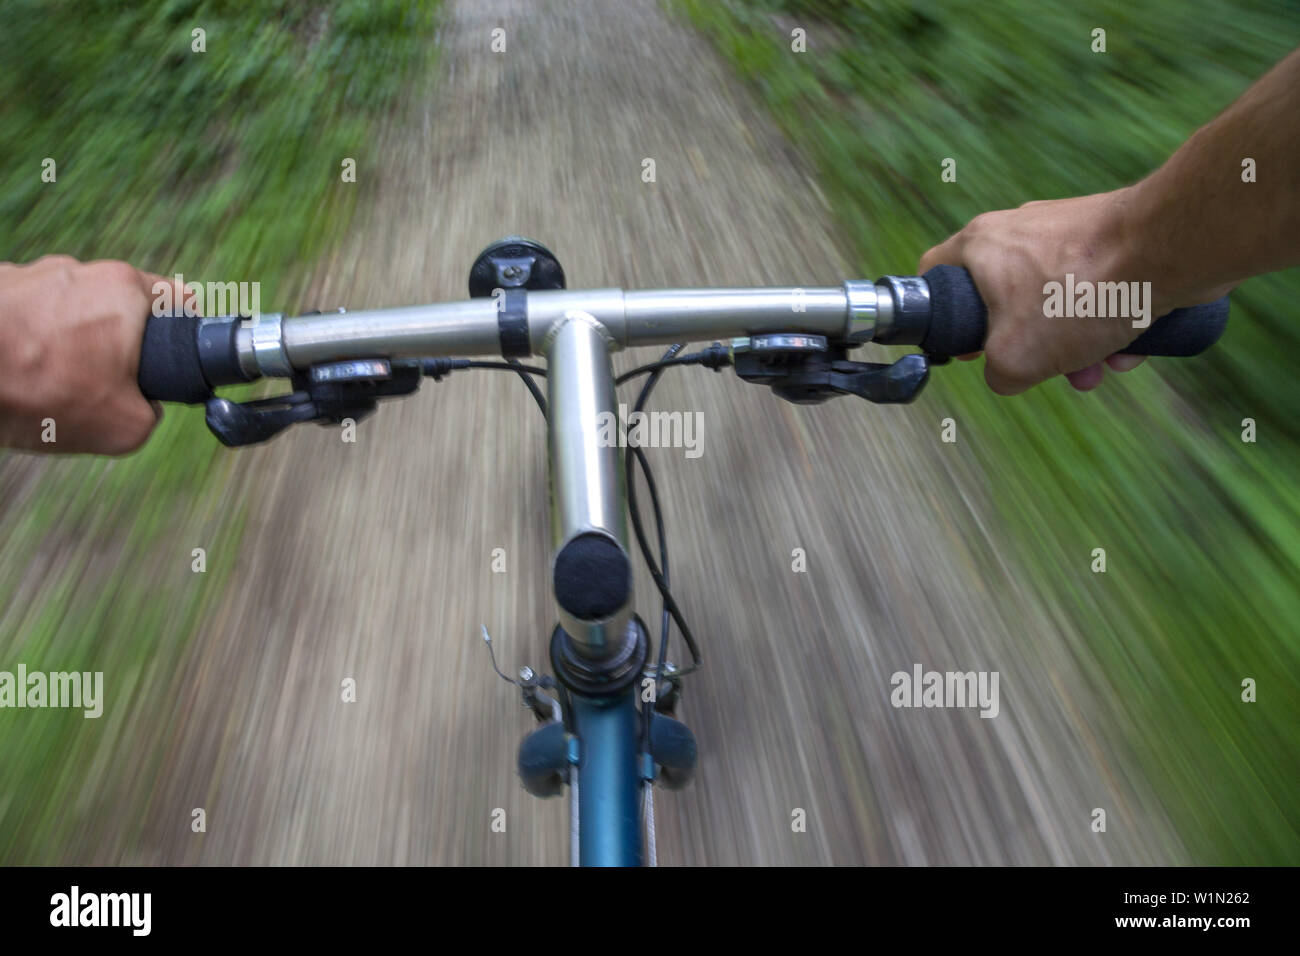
(894,384)
(248,423)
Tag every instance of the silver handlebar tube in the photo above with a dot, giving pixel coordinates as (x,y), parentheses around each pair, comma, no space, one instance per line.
(653,317)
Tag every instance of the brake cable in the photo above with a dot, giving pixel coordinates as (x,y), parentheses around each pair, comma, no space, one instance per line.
(657,572)
(717,356)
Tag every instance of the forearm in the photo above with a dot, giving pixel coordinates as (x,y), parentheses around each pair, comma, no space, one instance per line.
(1198,225)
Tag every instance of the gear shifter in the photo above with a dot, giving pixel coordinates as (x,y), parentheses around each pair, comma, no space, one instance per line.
(327,393)
(807,370)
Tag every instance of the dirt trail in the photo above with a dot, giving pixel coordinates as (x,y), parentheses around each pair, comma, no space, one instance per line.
(373,560)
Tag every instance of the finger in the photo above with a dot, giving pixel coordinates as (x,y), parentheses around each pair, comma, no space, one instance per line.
(947,253)
(1124,363)
(1086,379)
(162,290)
(968,357)
(1004,384)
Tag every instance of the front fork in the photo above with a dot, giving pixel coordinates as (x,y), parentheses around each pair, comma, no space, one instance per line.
(598,745)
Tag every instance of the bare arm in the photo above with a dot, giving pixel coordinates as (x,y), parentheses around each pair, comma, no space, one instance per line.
(1193,229)
(1202,226)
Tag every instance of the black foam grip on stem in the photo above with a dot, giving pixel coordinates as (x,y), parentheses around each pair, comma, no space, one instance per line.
(170,370)
(959,321)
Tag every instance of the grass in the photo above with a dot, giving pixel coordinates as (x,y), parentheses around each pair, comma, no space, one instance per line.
(1200,528)
(223,165)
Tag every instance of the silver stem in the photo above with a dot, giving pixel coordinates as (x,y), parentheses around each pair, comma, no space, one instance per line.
(587,495)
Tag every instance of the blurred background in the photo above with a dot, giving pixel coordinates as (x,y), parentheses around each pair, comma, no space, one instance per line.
(372,561)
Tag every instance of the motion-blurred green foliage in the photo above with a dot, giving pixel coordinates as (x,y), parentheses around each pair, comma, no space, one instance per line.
(222,158)
(223,165)
(1202,531)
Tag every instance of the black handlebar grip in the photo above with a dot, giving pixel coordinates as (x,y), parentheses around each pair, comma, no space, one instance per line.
(1183,332)
(170,370)
(183,357)
(959,321)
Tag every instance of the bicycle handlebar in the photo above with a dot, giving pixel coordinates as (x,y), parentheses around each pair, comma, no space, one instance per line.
(184,358)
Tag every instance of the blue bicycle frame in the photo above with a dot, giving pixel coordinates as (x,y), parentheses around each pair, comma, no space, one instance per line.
(607,816)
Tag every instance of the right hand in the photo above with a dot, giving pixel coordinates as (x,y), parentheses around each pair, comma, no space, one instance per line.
(1012,254)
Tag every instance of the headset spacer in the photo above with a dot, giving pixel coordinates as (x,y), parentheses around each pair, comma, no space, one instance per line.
(599,678)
